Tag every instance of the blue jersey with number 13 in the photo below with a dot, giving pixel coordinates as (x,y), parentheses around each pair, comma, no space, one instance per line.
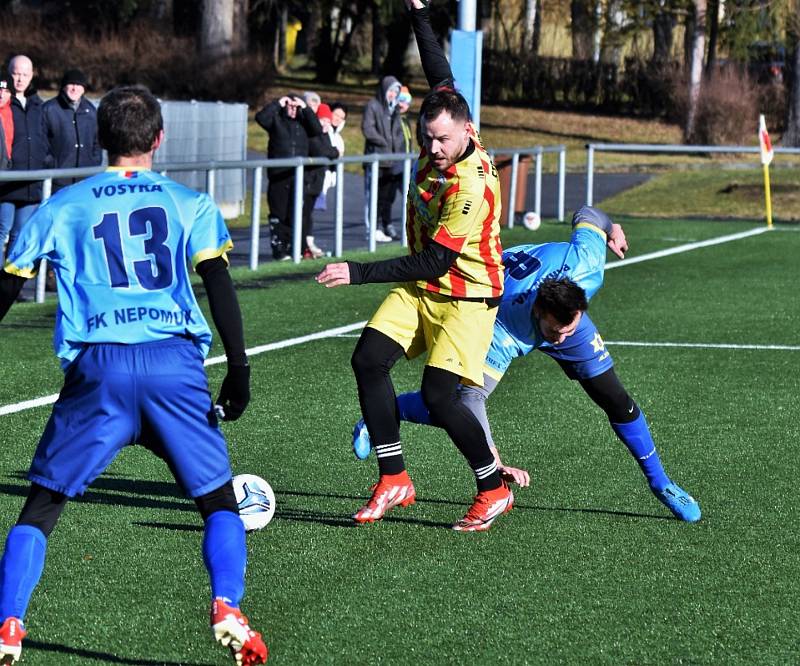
(119,243)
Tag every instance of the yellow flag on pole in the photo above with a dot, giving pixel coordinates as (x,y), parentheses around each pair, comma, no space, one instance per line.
(766,157)
(763,139)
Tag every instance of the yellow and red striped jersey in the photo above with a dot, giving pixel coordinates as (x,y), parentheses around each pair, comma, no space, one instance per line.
(460,209)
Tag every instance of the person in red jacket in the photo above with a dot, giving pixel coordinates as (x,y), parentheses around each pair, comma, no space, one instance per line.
(6,141)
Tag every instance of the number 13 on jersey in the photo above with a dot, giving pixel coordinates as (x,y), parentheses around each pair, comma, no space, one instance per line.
(154,266)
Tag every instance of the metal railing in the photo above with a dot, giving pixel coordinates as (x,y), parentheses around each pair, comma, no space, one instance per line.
(299,164)
(592,148)
(536,152)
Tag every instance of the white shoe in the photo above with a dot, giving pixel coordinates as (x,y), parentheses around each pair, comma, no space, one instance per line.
(381,237)
(316,252)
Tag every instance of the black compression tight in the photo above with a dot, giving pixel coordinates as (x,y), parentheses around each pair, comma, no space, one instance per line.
(610,395)
(440,395)
(373,358)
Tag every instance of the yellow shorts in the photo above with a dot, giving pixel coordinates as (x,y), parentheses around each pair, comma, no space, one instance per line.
(456,333)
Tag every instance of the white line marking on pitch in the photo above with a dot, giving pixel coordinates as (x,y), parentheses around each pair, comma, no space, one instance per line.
(705,345)
(333,332)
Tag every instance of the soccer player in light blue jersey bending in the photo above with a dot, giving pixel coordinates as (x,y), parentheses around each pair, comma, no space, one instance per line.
(546,292)
(131,340)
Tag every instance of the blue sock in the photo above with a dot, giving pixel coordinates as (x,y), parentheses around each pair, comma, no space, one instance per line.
(20,569)
(225,555)
(412,409)
(636,436)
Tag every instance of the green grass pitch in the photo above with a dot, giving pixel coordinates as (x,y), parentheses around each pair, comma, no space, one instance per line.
(587,569)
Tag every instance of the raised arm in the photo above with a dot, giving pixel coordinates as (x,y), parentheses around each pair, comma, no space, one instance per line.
(434,63)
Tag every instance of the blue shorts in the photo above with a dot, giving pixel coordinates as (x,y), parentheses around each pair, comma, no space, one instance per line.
(582,355)
(155,394)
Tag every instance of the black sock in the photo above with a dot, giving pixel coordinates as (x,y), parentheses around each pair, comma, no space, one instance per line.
(440,394)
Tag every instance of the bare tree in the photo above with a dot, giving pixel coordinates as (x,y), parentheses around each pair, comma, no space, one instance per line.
(583,27)
(663,31)
(713,35)
(791,135)
(532,27)
(216,30)
(696,67)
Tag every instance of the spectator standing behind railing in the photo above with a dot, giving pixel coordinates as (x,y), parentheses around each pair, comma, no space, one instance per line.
(71,123)
(318,146)
(6,130)
(396,175)
(6,142)
(382,134)
(338,119)
(290,123)
(30,149)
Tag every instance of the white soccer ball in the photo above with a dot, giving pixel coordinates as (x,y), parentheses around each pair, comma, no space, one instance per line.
(255,499)
(531,220)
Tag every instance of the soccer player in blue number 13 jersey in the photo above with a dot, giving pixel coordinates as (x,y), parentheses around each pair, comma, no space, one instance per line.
(545,297)
(131,339)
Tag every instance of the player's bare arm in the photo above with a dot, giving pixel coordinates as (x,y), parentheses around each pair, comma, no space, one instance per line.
(617,242)
(334,275)
(511,474)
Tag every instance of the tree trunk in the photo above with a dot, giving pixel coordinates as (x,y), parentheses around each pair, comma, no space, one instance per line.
(696,67)
(791,135)
(663,33)
(162,12)
(529,44)
(377,39)
(713,34)
(216,31)
(583,23)
(397,37)
(611,46)
(240,31)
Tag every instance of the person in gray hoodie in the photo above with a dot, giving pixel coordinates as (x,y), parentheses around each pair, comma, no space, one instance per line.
(383,133)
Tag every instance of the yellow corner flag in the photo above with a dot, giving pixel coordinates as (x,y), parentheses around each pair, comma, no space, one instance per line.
(766,157)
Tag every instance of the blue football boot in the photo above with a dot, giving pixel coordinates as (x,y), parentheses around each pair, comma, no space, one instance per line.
(681,503)
(361,442)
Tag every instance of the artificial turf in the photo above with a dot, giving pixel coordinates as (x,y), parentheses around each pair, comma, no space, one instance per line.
(588,567)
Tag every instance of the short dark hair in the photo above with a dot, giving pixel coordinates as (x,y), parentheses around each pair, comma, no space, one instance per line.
(444,99)
(128,121)
(561,298)
(339,105)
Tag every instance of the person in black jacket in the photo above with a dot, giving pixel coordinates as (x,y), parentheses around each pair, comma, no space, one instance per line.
(71,123)
(382,132)
(314,178)
(30,150)
(290,124)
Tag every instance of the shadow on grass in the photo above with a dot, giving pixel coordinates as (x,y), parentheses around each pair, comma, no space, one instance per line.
(180,527)
(133,493)
(101,656)
(337,520)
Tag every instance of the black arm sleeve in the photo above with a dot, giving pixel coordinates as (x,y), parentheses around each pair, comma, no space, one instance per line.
(10,286)
(434,63)
(224,308)
(429,264)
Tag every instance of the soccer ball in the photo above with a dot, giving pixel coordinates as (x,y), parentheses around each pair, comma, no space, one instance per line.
(255,499)
(531,221)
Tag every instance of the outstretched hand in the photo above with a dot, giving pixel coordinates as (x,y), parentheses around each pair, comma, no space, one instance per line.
(234,394)
(515,475)
(334,275)
(617,242)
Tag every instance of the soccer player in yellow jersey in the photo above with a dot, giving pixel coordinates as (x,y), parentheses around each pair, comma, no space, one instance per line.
(446,300)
